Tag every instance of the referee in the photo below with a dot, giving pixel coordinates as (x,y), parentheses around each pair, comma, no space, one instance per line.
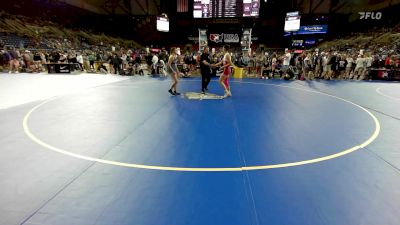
(205,69)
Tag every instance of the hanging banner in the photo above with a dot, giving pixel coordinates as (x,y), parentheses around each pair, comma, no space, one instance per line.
(310,29)
(313,29)
(224,38)
(202,39)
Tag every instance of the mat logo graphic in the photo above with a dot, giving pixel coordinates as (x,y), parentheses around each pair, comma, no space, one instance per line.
(216,37)
(370,15)
(200,96)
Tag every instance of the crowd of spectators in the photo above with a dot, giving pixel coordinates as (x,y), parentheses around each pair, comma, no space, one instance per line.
(331,63)
(93,59)
(358,56)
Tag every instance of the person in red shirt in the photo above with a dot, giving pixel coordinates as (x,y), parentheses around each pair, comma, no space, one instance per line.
(387,62)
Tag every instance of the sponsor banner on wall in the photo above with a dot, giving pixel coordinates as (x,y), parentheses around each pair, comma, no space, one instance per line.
(310,29)
(313,29)
(224,38)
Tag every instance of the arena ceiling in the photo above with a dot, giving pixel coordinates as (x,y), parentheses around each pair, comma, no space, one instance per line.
(343,6)
(152,7)
(124,7)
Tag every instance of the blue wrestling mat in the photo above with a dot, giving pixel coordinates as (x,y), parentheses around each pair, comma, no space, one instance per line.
(275,152)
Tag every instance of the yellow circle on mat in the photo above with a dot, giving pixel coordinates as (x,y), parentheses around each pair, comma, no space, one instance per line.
(215,169)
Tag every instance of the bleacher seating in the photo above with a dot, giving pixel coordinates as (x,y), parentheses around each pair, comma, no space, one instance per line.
(22,32)
(12,40)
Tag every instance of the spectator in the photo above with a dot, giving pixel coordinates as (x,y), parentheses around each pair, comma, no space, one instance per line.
(359,67)
(286,61)
(307,67)
(342,64)
(14,62)
(91,58)
(259,61)
(27,59)
(116,63)
(349,66)
(79,59)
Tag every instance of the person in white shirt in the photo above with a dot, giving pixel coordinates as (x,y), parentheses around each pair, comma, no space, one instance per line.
(124,60)
(366,66)
(307,64)
(358,71)
(325,66)
(349,66)
(154,60)
(286,61)
(274,64)
(79,59)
